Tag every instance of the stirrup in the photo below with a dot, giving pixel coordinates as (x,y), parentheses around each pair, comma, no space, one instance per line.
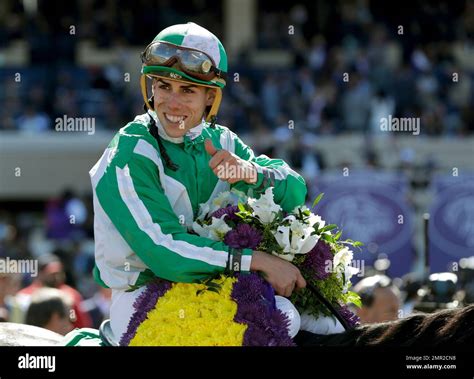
(106,335)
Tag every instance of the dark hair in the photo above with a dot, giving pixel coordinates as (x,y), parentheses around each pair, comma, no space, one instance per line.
(442,328)
(45,302)
(154,132)
(45,259)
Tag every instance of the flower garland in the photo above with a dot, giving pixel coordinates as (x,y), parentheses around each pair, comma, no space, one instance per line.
(227,311)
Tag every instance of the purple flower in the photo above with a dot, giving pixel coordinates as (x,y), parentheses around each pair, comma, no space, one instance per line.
(243,236)
(230,211)
(316,260)
(351,318)
(142,305)
(253,289)
(267,325)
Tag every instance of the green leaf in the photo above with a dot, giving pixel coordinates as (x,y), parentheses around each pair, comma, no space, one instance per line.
(358,243)
(328,227)
(354,298)
(338,235)
(317,200)
(327,237)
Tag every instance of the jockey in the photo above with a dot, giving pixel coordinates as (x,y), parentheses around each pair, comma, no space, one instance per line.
(159,168)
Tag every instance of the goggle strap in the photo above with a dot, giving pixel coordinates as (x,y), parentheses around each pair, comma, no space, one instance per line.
(219,73)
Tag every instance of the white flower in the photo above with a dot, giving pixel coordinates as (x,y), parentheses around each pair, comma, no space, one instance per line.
(216,231)
(312,218)
(300,242)
(301,239)
(282,236)
(202,231)
(219,228)
(299,229)
(265,208)
(344,258)
(349,271)
(226,198)
(204,210)
(222,200)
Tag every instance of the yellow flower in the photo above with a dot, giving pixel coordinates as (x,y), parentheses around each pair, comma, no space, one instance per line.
(182,317)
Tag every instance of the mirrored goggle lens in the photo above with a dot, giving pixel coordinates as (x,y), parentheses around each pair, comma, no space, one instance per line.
(191,60)
(159,53)
(196,62)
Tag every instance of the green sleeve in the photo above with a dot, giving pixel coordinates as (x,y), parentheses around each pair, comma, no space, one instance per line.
(133,198)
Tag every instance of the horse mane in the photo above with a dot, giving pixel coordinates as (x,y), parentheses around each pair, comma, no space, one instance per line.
(442,328)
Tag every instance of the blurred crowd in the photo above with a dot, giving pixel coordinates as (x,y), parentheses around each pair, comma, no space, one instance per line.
(352,63)
(60,293)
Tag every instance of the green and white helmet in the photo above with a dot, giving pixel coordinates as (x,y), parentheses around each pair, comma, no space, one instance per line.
(186,53)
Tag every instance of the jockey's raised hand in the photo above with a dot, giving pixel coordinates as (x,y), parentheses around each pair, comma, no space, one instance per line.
(228,166)
(282,275)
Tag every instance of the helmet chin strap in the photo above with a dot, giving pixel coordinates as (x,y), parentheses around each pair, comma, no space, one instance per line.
(211,116)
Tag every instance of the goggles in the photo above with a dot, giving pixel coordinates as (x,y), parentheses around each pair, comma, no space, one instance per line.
(193,62)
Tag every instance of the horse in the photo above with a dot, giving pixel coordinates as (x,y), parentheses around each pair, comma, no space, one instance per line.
(451,327)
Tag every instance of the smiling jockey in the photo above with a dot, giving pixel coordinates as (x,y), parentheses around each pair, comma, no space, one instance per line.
(150,180)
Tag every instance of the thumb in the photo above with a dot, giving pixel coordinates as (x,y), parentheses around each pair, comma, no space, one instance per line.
(211,150)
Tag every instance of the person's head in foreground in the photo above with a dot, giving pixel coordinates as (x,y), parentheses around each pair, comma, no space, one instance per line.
(380,299)
(187,66)
(50,309)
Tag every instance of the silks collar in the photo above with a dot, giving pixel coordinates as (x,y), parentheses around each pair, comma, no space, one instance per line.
(191,134)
